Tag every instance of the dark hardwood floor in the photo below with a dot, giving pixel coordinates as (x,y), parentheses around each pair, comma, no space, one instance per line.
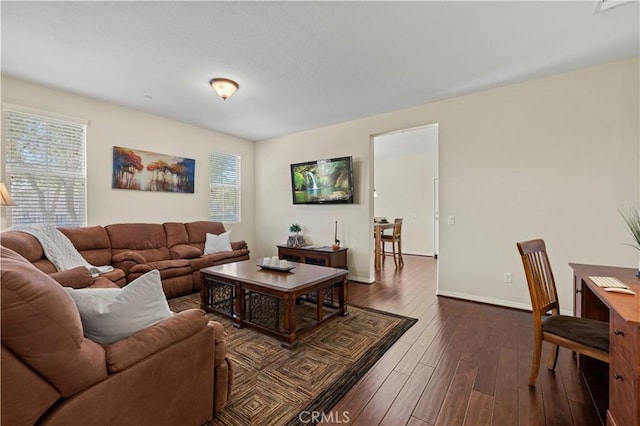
(462,363)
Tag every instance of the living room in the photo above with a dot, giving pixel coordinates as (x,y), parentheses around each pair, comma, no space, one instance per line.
(552,156)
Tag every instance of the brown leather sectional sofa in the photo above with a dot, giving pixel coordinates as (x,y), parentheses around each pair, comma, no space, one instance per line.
(174,372)
(175,249)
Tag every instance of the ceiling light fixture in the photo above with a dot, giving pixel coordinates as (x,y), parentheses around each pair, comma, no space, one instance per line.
(224,87)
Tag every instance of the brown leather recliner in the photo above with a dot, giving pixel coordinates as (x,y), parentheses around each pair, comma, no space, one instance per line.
(172,373)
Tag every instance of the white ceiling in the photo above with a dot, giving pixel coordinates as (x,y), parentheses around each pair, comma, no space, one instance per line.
(302,65)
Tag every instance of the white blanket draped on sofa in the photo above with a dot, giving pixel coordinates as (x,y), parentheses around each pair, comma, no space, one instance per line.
(59,249)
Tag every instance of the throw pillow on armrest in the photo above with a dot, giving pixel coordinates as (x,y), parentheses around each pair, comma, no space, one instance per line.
(128,255)
(112,314)
(78,277)
(217,243)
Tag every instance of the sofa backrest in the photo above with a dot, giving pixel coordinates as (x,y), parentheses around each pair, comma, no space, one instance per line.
(197,232)
(41,326)
(92,242)
(27,246)
(147,239)
(176,233)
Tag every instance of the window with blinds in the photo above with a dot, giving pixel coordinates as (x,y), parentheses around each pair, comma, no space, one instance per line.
(224,187)
(45,169)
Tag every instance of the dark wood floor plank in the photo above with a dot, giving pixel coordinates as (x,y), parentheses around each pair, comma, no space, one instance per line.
(488,364)
(505,409)
(530,405)
(358,397)
(424,320)
(377,406)
(554,397)
(418,349)
(400,411)
(414,421)
(454,406)
(430,402)
(480,409)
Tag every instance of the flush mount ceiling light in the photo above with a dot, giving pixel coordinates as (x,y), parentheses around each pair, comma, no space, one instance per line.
(224,87)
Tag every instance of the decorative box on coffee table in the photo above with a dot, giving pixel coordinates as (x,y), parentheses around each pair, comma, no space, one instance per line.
(314,255)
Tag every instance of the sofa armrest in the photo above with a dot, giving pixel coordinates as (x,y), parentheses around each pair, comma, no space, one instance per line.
(239,245)
(184,251)
(128,256)
(127,260)
(125,353)
(79,277)
(221,344)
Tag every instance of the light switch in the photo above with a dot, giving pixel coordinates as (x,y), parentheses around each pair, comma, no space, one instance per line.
(451,220)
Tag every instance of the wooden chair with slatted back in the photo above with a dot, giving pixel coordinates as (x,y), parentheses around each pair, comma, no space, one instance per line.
(395,238)
(582,335)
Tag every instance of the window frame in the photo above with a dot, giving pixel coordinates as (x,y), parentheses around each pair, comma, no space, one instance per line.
(236,187)
(78,176)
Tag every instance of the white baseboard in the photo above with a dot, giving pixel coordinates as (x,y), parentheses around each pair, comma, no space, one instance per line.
(361,279)
(497,302)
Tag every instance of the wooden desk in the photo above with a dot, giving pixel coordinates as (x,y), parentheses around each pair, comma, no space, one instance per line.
(622,311)
(378,229)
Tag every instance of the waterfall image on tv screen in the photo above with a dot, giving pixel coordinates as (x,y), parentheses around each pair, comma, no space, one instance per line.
(323,181)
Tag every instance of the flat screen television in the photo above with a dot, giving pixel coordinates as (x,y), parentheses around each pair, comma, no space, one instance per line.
(323,181)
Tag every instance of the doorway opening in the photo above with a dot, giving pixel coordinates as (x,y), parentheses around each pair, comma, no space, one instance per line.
(405,185)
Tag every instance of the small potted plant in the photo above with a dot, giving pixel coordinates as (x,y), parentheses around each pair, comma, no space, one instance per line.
(295,240)
(631,218)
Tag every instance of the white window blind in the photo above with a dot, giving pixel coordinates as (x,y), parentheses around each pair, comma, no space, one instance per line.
(45,169)
(224,187)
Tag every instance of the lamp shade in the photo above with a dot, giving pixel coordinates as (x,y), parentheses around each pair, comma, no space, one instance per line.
(5,197)
(224,87)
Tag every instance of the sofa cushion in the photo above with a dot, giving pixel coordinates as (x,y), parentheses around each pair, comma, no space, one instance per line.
(109,314)
(176,233)
(217,243)
(197,231)
(41,326)
(92,242)
(147,239)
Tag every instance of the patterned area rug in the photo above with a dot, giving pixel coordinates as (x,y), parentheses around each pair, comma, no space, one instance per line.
(273,385)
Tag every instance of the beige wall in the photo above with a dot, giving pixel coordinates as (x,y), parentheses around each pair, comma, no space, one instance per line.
(552,158)
(114,125)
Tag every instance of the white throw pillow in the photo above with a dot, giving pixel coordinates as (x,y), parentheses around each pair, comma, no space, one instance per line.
(112,314)
(217,243)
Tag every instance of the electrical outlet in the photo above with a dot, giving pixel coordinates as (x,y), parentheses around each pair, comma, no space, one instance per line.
(507,277)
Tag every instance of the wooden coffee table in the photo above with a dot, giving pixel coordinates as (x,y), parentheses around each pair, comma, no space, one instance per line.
(272,301)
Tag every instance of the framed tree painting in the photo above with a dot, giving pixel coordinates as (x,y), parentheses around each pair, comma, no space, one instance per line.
(149,171)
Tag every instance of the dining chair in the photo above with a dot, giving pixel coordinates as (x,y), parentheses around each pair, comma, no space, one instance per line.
(395,238)
(582,335)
